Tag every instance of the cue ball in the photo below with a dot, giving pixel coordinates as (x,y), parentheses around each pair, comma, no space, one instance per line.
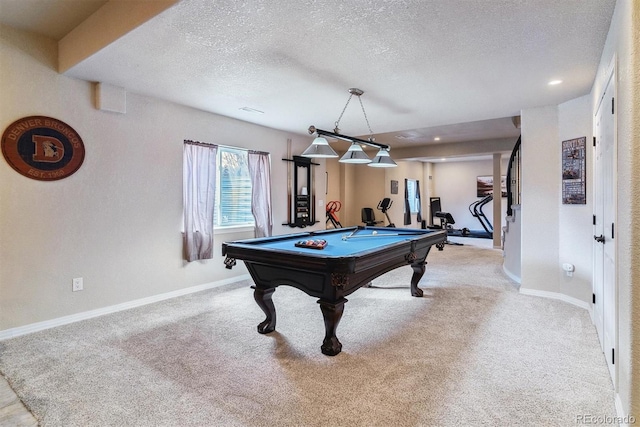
(374,232)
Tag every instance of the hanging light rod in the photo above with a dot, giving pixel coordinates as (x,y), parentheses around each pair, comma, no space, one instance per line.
(320,146)
(320,132)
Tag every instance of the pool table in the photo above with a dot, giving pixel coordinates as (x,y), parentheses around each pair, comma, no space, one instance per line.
(329,265)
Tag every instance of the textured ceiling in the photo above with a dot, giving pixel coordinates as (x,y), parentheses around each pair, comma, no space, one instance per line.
(422,64)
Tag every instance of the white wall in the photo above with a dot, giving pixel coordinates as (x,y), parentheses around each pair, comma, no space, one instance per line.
(553,233)
(540,200)
(512,264)
(456,185)
(116,221)
(575,230)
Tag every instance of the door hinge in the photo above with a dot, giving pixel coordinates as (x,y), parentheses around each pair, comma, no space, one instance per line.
(594,220)
(593,298)
(613,229)
(613,108)
(613,356)
(594,141)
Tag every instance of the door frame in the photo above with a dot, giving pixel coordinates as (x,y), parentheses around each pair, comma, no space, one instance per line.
(610,77)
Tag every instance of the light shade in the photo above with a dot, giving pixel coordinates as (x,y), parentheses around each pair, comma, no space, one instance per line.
(382,160)
(355,154)
(319,148)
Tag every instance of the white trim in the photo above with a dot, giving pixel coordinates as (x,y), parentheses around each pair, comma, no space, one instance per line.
(624,420)
(47,324)
(558,296)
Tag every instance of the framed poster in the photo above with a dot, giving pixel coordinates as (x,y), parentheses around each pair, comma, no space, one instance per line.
(394,186)
(574,164)
(484,185)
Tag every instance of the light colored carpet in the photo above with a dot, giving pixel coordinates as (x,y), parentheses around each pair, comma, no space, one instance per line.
(472,351)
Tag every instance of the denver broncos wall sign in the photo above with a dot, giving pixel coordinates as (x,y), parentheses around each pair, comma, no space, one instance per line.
(42,148)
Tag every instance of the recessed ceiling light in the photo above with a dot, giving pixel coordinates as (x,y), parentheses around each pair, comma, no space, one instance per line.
(443,159)
(555,82)
(437,138)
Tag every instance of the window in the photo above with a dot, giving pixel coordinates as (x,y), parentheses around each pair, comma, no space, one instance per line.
(233,192)
(414,200)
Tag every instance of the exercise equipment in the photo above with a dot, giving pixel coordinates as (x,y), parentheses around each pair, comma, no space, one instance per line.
(384,206)
(446,219)
(434,204)
(333,207)
(368,217)
(476,210)
(446,222)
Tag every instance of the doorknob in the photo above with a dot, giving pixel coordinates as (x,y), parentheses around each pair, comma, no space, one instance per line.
(599,239)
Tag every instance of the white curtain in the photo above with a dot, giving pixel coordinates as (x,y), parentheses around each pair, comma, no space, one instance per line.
(260,171)
(199,197)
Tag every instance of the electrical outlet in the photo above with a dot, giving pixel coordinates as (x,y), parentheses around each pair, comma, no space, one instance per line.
(78,284)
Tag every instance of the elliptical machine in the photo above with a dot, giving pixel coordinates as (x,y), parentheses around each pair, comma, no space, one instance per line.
(384,206)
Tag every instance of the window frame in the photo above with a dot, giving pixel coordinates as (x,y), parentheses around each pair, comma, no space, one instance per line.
(414,202)
(218,227)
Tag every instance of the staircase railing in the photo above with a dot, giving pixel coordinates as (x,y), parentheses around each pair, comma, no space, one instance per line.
(513,178)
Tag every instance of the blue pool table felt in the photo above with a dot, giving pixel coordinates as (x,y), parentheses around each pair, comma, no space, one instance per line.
(336,246)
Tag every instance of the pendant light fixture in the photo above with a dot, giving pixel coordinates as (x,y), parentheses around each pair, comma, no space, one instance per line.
(355,153)
(320,148)
(382,160)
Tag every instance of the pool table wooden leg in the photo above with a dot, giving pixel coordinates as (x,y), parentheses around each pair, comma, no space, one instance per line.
(263,298)
(332,313)
(418,272)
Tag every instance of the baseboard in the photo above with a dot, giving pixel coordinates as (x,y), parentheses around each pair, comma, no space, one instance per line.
(555,295)
(623,419)
(40,326)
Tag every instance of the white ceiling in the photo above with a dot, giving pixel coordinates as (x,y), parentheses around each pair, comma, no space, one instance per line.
(428,68)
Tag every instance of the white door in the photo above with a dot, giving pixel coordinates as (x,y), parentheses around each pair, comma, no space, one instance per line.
(605,285)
